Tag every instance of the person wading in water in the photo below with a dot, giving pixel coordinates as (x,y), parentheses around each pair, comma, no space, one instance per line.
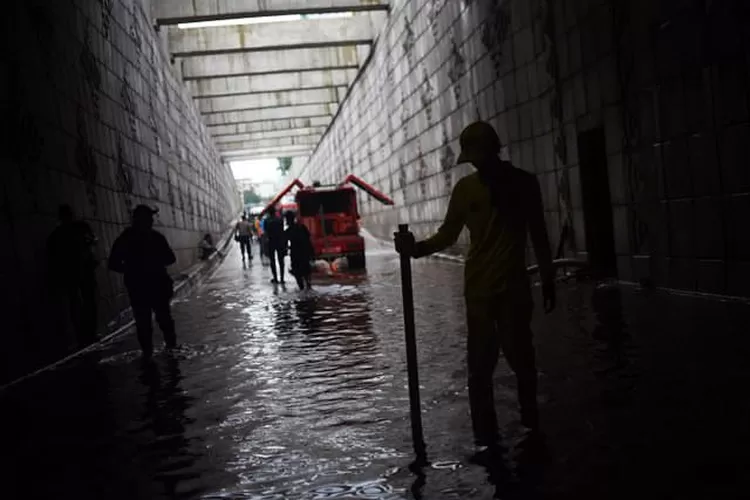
(274,231)
(143,254)
(302,251)
(243,233)
(500,205)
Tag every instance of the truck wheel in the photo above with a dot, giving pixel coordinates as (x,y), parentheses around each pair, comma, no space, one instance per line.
(357,261)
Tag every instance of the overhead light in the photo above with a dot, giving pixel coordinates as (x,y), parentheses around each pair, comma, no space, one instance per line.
(262,20)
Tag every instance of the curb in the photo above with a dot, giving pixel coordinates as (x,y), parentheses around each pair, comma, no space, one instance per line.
(187,282)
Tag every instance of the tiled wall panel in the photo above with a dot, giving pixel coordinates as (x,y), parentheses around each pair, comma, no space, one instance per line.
(667,81)
(98,120)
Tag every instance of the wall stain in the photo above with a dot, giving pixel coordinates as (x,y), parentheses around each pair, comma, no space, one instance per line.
(124,176)
(86,161)
(408,44)
(402,179)
(434,8)
(427,95)
(422,174)
(447,162)
(546,16)
(106,17)
(457,67)
(126,95)
(153,189)
(171,196)
(91,71)
(495,32)
(135,35)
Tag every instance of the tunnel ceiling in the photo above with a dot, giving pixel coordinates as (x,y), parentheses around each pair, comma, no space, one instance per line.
(269,89)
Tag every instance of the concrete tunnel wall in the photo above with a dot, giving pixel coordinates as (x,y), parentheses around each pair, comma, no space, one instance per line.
(667,81)
(96,119)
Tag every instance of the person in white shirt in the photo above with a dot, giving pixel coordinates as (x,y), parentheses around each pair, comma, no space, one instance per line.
(243,235)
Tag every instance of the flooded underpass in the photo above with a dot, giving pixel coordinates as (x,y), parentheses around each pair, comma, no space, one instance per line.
(276,393)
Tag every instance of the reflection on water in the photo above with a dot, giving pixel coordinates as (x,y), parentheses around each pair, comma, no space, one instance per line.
(164,415)
(614,353)
(278,394)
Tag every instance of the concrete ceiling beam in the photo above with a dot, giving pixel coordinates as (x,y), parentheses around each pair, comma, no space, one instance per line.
(339,90)
(282,125)
(272,62)
(308,140)
(172,12)
(252,136)
(267,156)
(290,139)
(269,100)
(219,86)
(285,112)
(355,30)
(259,153)
(278,72)
(275,150)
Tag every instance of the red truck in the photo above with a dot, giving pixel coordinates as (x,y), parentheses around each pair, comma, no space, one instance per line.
(331,215)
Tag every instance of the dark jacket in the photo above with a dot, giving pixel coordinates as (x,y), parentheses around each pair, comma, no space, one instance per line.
(300,243)
(274,229)
(143,257)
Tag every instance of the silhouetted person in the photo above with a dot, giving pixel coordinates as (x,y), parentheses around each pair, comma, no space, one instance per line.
(71,262)
(143,254)
(263,239)
(499,204)
(207,247)
(274,231)
(243,232)
(301,250)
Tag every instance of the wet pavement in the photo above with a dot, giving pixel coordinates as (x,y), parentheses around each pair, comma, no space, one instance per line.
(276,394)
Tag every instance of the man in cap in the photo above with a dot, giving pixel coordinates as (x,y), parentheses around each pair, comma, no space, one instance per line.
(143,254)
(499,204)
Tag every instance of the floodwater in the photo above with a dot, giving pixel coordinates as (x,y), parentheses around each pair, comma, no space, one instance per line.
(279,394)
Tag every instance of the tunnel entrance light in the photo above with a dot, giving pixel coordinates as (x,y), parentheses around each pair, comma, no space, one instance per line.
(262,20)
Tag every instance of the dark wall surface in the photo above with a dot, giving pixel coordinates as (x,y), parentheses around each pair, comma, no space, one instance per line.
(667,81)
(93,117)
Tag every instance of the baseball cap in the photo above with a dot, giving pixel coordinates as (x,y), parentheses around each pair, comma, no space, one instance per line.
(144,210)
(478,141)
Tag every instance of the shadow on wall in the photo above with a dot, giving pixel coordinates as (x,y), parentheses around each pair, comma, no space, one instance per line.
(82,132)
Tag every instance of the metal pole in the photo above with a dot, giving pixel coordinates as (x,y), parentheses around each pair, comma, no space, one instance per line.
(411,353)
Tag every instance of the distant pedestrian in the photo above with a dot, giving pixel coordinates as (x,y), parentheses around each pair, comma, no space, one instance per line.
(274,231)
(207,246)
(243,234)
(500,205)
(255,234)
(301,250)
(143,254)
(260,224)
(72,264)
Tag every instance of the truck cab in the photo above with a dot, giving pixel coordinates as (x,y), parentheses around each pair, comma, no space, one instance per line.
(330,214)
(332,217)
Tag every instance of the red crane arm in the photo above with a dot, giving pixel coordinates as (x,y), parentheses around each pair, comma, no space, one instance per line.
(282,193)
(381,197)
